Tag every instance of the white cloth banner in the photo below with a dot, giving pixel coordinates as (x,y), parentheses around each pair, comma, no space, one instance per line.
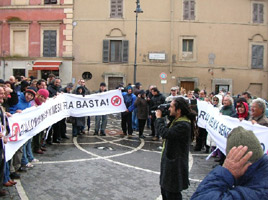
(219,126)
(33,120)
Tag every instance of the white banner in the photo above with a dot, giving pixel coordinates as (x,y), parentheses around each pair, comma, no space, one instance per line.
(219,126)
(31,121)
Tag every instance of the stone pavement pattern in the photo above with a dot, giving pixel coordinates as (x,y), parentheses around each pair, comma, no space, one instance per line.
(101,168)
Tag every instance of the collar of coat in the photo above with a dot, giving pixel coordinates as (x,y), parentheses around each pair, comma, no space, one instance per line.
(180,119)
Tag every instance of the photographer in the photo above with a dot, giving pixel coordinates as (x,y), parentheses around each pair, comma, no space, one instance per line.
(174,175)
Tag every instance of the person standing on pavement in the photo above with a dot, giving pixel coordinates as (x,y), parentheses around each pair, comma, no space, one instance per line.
(135,122)
(155,101)
(126,117)
(173,95)
(54,89)
(101,121)
(174,172)
(244,174)
(142,112)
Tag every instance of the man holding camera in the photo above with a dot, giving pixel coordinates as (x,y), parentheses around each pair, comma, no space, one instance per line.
(174,175)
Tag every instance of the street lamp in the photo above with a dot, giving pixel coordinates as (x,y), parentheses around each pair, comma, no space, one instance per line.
(138,10)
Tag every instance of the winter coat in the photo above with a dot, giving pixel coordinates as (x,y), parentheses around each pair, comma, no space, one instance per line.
(129,100)
(220,184)
(227,110)
(261,120)
(174,175)
(21,105)
(79,121)
(155,101)
(142,108)
(53,90)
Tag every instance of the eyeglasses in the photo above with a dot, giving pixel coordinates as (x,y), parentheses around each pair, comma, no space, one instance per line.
(215,100)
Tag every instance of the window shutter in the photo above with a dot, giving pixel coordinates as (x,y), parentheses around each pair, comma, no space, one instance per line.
(113,8)
(125,51)
(257,56)
(260,13)
(47,1)
(192,10)
(120,8)
(105,51)
(186,10)
(50,44)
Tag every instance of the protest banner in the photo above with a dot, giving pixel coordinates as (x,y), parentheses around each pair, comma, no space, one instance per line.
(33,120)
(219,126)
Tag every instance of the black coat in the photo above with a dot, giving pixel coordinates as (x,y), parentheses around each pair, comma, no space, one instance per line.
(174,176)
(142,108)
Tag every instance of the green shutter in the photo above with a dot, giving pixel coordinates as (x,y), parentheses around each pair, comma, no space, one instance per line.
(105,51)
(50,44)
(125,51)
(257,56)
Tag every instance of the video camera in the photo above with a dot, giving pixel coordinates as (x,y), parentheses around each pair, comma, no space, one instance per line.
(164,109)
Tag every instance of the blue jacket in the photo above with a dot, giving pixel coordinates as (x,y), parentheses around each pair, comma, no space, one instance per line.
(21,105)
(129,100)
(220,183)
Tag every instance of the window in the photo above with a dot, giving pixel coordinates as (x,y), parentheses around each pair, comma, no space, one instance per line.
(187,45)
(18,72)
(19,2)
(19,37)
(258,12)
(257,56)
(115,51)
(49,43)
(116,9)
(50,1)
(189,10)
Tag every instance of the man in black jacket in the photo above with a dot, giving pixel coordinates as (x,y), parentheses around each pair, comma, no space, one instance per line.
(55,89)
(155,101)
(174,175)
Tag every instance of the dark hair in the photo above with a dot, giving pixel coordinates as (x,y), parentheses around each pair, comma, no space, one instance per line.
(183,105)
(247,93)
(241,99)
(155,90)
(40,81)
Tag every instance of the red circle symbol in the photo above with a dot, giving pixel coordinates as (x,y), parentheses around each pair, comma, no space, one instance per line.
(116,100)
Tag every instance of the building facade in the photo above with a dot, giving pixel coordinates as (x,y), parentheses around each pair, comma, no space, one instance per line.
(36,38)
(210,45)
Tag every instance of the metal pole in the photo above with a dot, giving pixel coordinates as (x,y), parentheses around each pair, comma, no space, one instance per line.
(135,58)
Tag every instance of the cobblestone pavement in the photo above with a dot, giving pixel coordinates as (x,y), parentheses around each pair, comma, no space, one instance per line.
(101,168)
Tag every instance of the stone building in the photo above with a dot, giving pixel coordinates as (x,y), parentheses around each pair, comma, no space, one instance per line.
(36,38)
(210,45)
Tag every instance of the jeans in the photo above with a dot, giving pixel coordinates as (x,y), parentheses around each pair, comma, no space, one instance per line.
(135,123)
(100,121)
(27,155)
(6,173)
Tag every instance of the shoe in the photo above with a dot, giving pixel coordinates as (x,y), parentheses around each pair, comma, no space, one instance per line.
(22,169)
(7,184)
(142,137)
(65,137)
(83,132)
(39,151)
(155,139)
(95,133)
(29,165)
(43,148)
(151,135)
(12,182)
(34,160)
(102,134)
(3,193)
(74,135)
(14,175)
(130,136)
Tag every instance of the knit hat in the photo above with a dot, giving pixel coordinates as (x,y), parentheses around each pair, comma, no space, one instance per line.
(43,92)
(103,84)
(31,90)
(129,87)
(240,136)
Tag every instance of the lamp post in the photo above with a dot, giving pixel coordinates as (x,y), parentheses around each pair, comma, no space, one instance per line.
(138,10)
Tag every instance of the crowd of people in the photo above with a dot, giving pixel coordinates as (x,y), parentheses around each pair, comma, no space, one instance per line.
(142,108)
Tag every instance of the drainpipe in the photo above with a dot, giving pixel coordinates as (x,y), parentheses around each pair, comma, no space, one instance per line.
(171,35)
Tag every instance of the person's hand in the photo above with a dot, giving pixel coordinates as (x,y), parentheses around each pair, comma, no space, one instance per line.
(18,111)
(241,119)
(158,113)
(8,114)
(5,140)
(253,122)
(237,162)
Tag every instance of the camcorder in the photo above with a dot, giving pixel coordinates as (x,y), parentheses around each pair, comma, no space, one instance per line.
(164,109)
